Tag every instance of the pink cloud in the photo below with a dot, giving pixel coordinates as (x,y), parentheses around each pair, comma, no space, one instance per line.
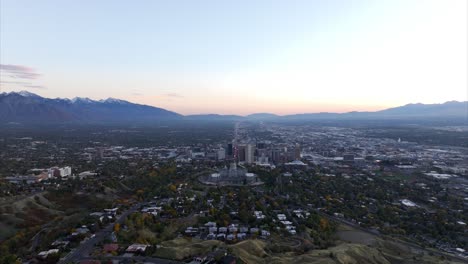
(19,71)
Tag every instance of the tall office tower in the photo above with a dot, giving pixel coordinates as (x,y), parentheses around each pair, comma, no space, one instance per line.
(276,156)
(250,153)
(230,151)
(241,153)
(297,152)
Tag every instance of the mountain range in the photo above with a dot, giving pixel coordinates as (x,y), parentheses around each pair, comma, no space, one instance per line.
(26,107)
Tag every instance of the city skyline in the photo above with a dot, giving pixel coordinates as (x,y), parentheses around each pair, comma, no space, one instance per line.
(238,58)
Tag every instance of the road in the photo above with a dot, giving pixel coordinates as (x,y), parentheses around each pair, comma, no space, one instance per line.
(86,247)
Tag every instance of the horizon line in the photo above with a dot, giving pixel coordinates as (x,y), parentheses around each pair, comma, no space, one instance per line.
(231,114)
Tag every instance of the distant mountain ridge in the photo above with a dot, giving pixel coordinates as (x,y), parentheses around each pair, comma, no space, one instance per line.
(26,107)
(451,109)
(262,116)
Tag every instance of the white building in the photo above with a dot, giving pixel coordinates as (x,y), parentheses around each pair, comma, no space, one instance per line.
(59,172)
(221,154)
(65,171)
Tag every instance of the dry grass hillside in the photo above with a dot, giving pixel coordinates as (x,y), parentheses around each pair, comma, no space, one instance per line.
(256,251)
(27,212)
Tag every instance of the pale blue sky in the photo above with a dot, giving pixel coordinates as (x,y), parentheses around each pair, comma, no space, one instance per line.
(239,56)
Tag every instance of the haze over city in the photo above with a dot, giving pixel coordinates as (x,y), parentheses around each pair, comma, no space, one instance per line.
(238,57)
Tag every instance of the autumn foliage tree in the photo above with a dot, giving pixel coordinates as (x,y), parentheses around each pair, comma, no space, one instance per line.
(116,227)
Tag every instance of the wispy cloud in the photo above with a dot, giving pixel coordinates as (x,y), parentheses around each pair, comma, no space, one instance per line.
(173,95)
(162,96)
(27,85)
(17,83)
(19,75)
(40,87)
(19,71)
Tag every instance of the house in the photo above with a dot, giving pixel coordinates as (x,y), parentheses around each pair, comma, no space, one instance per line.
(281,217)
(154,210)
(259,215)
(80,231)
(243,229)
(221,236)
(210,224)
(203,213)
(230,237)
(213,230)
(298,213)
(60,243)
(45,254)
(241,236)
(96,214)
(109,248)
(191,231)
(137,248)
(111,211)
(265,233)
(211,236)
(197,260)
(222,229)
(254,230)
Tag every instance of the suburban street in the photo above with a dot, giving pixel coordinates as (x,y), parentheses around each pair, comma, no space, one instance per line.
(84,249)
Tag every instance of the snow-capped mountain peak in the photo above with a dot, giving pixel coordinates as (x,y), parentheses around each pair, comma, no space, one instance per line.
(22,93)
(82,100)
(111,100)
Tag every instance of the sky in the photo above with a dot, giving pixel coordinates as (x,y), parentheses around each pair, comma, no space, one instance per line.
(238,57)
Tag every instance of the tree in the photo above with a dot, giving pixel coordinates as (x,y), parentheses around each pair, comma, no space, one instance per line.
(116,227)
(172,187)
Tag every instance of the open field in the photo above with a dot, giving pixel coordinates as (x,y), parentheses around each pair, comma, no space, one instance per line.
(183,248)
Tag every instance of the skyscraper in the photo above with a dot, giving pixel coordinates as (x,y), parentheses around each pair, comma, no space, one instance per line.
(230,151)
(241,153)
(297,152)
(250,153)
